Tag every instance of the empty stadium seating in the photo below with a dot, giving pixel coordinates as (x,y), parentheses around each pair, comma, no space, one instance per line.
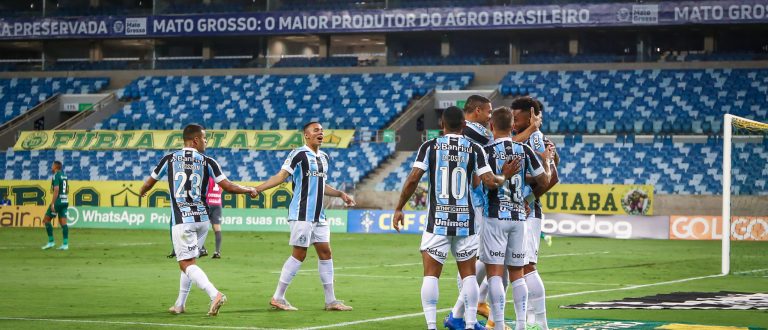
(643,101)
(348,166)
(672,168)
(353,101)
(19,95)
(317,62)
(439,60)
(580,58)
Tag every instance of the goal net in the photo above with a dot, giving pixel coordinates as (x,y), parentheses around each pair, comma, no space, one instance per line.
(745,196)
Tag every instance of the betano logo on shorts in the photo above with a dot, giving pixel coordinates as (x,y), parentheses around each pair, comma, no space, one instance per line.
(437,253)
(466,253)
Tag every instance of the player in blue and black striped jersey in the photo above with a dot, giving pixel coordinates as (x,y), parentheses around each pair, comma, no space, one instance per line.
(450,161)
(503,238)
(477,112)
(187,172)
(309,168)
(524,108)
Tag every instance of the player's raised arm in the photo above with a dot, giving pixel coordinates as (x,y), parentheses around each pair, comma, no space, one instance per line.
(535,123)
(333,192)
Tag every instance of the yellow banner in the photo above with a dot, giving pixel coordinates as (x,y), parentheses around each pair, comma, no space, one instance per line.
(126,194)
(599,199)
(228,139)
(23,216)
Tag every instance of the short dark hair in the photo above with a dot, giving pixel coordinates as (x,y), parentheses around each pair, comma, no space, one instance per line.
(453,118)
(58,163)
(474,101)
(502,118)
(304,129)
(525,104)
(191,131)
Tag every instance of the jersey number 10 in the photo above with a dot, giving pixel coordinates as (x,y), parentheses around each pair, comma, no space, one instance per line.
(458,182)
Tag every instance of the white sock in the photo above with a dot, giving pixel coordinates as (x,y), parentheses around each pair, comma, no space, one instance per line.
(290,268)
(536,298)
(498,297)
(469,292)
(184,285)
(481,280)
(520,296)
(325,267)
(458,307)
(197,275)
(429,296)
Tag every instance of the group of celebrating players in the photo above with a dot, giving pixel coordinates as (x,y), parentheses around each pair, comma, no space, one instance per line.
(486,174)
(484,189)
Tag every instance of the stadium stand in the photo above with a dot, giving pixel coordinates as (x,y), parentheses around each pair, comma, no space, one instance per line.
(335,61)
(642,101)
(673,168)
(19,95)
(349,165)
(359,101)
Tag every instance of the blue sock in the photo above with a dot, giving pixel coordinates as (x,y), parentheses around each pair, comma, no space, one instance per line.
(49,231)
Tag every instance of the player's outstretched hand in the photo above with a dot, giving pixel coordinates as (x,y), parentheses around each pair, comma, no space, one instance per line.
(348,200)
(511,167)
(254,192)
(397,220)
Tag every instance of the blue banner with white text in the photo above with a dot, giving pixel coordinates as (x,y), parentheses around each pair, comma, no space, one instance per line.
(389,20)
(380,222)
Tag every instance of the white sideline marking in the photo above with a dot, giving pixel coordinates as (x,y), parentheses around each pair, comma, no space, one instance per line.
(356,267)
(573,254)
(549,297)
(586,283)
(74,246)
(133,323)
(751,271)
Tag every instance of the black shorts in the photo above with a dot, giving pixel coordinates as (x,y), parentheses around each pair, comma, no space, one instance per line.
(214,215)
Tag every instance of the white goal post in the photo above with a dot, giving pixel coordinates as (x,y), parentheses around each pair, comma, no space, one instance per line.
(728,124)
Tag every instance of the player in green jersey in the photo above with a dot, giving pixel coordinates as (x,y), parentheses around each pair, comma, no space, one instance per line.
(59,205)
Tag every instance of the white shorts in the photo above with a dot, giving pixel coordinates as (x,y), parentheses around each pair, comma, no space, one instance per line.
(437,246)
(186,237)
(533,240)
(503,242)
(306,233)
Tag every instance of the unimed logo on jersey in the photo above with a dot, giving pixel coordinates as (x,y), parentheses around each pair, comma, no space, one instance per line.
(711,228)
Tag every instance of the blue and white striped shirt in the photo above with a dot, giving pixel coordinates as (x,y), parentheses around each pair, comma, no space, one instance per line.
(309,172)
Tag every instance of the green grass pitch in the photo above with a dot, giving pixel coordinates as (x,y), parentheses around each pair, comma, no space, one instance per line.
(121,279)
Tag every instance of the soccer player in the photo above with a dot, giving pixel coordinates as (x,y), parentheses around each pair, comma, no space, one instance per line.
(451,161)
(523,108)
(187,172)
(214,213)
(58,207)
(503,236)
(309,168)
(477,112)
